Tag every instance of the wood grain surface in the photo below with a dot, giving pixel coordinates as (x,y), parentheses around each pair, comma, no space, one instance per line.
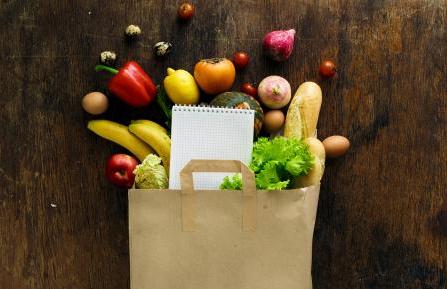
(382,214)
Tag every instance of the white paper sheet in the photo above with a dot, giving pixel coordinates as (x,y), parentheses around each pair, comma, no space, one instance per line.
(209,133)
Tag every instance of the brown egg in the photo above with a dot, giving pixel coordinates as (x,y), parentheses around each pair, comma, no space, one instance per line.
(95,102)
(273,121)
(336,146)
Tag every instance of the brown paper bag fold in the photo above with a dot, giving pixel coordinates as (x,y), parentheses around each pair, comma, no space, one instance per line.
(189,208)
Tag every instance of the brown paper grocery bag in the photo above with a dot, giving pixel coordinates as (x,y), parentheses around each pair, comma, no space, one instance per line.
(187,239)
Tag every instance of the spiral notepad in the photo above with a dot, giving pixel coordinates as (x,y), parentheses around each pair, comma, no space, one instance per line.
(210,133)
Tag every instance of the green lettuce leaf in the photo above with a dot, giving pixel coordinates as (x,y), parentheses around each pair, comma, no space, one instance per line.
(275,162)
(232,183)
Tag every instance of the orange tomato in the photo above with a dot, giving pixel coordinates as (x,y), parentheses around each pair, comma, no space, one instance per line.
(215,75)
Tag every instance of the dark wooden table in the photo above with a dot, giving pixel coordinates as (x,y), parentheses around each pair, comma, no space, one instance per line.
(380,220)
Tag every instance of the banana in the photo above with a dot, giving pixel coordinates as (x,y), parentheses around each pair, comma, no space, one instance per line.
(150,123)
(303,112)
(157,139)
(316,173)
(119,134)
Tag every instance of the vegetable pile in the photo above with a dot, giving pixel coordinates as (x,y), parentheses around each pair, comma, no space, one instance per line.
(291,158)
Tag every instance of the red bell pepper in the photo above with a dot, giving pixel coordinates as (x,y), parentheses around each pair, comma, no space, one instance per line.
(131,84)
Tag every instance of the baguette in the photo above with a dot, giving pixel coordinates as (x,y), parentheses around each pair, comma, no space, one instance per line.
(303,112)
(316,173)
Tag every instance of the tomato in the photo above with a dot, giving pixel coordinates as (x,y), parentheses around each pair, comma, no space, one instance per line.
(241,59)
(249,89)
(327,69)
(214,75)
(186,11)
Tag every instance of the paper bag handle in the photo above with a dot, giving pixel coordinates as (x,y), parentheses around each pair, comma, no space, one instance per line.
(189,195)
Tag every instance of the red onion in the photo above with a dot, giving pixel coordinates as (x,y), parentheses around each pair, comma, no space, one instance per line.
(278,45)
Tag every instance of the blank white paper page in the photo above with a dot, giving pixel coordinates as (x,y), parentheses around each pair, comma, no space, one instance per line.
(209,133)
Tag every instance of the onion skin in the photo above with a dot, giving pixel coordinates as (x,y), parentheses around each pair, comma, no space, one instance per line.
(278,45)
(274,92)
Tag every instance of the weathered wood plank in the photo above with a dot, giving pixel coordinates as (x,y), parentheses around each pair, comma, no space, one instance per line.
(380,216)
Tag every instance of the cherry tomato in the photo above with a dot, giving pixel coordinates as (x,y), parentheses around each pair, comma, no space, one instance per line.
(249,89)
(327,69)
(240,59)
(186,11)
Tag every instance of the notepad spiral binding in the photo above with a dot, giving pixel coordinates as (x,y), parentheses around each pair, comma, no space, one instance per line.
(210,108)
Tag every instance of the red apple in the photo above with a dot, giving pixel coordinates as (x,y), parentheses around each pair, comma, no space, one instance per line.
(119,170)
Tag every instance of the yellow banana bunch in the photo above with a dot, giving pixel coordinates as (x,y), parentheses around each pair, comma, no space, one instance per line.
(120,134)
(151,124)
(155,136)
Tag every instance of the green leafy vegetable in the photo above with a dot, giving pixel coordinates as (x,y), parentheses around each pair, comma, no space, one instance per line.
(232,183)
(165,104)
(276,163)
(150,174)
